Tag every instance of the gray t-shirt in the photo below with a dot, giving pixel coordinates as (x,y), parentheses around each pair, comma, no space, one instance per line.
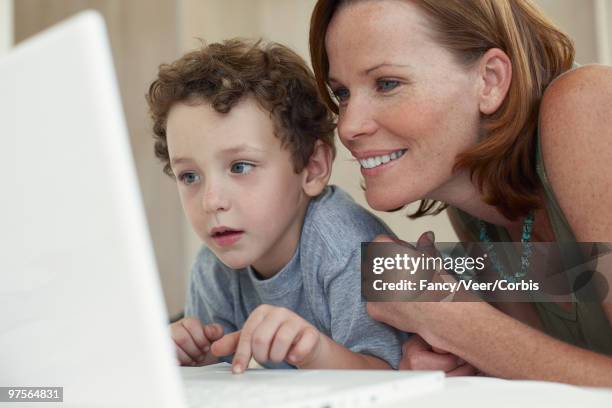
(321,283)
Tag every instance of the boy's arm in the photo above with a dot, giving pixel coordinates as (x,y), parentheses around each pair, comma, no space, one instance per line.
(350,324)
(332,355)
(275,334)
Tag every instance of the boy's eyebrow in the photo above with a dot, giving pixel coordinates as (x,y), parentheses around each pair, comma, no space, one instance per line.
(230,150)
(241,148)
(177,160)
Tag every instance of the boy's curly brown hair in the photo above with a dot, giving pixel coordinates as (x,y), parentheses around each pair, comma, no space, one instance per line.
(224,73)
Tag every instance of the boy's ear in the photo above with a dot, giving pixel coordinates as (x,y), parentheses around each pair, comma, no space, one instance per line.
(317,172)
(495,74)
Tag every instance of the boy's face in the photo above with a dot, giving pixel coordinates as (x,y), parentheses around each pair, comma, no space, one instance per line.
(237,185)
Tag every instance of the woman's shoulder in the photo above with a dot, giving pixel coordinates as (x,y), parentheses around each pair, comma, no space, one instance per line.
(579,85)
(576,142)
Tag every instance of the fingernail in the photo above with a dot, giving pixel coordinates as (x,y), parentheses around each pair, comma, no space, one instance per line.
(430,236)
(460,361)
(237,369)
(291,357)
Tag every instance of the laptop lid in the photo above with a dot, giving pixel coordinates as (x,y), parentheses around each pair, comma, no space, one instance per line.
(80,299)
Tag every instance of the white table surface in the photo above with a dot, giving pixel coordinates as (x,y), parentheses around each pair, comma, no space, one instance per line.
(475,392)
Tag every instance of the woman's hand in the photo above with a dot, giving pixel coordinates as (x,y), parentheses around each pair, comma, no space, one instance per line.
(408,316)
(417,354)
(429,319)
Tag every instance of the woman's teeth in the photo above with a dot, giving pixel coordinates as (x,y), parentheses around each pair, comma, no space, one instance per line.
(376,161)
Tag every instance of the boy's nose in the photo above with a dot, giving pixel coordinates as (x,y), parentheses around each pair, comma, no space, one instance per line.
(214,201)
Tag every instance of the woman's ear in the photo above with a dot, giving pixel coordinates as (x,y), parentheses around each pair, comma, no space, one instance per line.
(495,74)
(318,169)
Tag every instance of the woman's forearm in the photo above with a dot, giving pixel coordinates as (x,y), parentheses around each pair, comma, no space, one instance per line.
(505,347)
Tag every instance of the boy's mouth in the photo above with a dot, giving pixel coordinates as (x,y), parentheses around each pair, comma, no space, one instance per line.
(224,236)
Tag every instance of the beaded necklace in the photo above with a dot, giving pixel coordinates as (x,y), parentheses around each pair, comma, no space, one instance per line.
(525,244)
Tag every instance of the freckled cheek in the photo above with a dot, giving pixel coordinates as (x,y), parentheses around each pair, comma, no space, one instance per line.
(408,122)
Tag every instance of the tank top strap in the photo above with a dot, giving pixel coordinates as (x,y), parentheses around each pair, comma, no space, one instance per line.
(561,228)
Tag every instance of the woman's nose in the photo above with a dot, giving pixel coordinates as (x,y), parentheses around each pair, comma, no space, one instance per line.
(356,120)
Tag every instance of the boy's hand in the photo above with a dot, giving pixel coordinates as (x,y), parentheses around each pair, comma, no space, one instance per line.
(270,334)
(193,340)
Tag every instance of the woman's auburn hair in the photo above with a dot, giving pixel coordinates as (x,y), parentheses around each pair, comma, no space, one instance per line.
(503,162)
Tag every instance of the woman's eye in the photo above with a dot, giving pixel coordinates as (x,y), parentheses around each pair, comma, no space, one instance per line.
(341,94)
(242,168)
(386,85)
(188,177)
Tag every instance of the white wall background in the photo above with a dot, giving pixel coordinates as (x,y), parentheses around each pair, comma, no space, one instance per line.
(603,30)
(6,25)
(145,33)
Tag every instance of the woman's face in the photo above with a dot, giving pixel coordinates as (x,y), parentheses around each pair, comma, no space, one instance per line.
(407,107)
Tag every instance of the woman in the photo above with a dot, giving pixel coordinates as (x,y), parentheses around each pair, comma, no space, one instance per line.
(460,95)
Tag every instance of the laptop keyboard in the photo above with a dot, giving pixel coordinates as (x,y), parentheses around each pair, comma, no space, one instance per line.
(225,395)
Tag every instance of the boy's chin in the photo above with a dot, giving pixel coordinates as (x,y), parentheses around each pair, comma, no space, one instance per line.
(234,263)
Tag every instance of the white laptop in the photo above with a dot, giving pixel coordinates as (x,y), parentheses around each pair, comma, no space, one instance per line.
(80,300)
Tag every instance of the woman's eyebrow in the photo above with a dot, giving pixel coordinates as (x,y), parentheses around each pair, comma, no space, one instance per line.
(331,81)
(368,71)
(383,65)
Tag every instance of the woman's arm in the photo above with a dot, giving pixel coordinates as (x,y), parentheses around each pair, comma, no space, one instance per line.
(505,347)
(496,343)
(576,141)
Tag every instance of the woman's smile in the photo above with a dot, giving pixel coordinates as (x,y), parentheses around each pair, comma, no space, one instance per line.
(374,163)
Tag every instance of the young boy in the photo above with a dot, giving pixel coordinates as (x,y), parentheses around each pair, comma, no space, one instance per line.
(243,131)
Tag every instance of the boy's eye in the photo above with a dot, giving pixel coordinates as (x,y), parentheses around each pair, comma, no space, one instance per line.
(242,168)
(188,177)
(341,94)
(386,85)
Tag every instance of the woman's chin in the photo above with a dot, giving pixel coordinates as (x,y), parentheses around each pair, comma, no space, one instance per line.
(383,202)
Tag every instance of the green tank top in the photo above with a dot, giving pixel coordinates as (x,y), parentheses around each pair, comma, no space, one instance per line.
(585,324)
